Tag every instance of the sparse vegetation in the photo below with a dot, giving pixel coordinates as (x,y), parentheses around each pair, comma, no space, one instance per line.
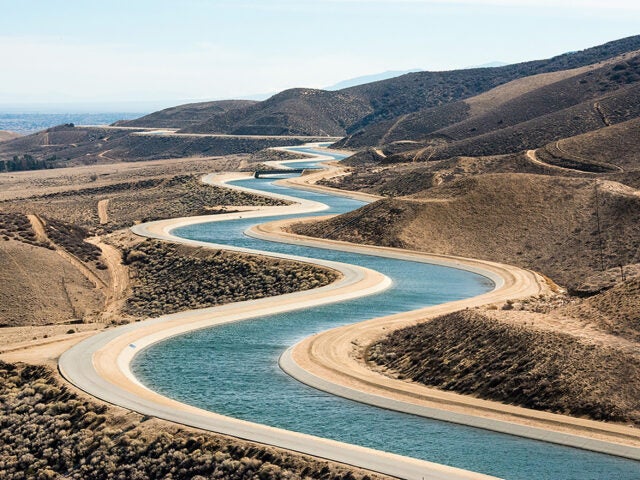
(72,239)
(533,221)
(467,352)
(136,201)
(170,278)
(270,154)
(616,310)
(66,146)
(15,226)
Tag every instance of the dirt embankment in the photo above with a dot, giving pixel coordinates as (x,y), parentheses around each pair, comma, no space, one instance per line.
(41,280)
(49,431)
(533,221)
(616,311)
(517,362)
(170,278)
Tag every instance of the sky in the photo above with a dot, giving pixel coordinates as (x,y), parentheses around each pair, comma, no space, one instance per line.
(160,53)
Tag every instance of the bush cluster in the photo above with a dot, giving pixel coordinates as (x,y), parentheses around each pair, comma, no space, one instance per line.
(180,196)
(170,278)
(16,226)
(71,238)
(47,431)
(467,352)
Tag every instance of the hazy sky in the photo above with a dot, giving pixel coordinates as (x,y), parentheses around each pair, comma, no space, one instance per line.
(141,50)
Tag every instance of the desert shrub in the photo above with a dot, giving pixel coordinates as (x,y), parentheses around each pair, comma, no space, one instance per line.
(71,238)
(170,278)
(17,226)
(47,431)
(469,353)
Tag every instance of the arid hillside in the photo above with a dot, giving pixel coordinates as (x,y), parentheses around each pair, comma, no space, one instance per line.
(56,271)
(534,221)
(114,206)
(183,116)
(614,150)
(419,92)
(369,114)
(171,278)
(418,116)
(524,114)
(68,145)
(545,361)
(5,135)
(299,111)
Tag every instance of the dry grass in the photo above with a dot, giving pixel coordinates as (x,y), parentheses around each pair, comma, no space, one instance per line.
(414,106)
(18,185)
(40,287)
(616,310)
(607,148)
(5,135)
(134,202)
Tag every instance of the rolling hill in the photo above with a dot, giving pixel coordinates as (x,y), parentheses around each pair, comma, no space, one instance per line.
(185,115)
(5,135)
(593,99)
(299,111)
(530,220)
(357,111)
(67,145)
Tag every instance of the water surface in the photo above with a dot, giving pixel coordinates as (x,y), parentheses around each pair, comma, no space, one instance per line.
(232,369)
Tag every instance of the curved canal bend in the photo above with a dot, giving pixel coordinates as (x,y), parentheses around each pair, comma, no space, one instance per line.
(232,369)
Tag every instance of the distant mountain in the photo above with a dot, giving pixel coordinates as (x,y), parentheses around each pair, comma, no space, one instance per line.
(407,107)
(490,65)
(352,82)
(186,115)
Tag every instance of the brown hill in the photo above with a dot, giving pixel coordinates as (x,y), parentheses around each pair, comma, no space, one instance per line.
(6,135)
(401,179)
(299,111)
(576,105)
(425,90)
(67,145)
(511,103)
(349,111)
(185,115)
(615,148)
(616,310)
(471,353)
(534,221)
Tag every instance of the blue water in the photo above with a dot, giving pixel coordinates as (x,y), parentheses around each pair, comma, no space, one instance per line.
(232,369)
